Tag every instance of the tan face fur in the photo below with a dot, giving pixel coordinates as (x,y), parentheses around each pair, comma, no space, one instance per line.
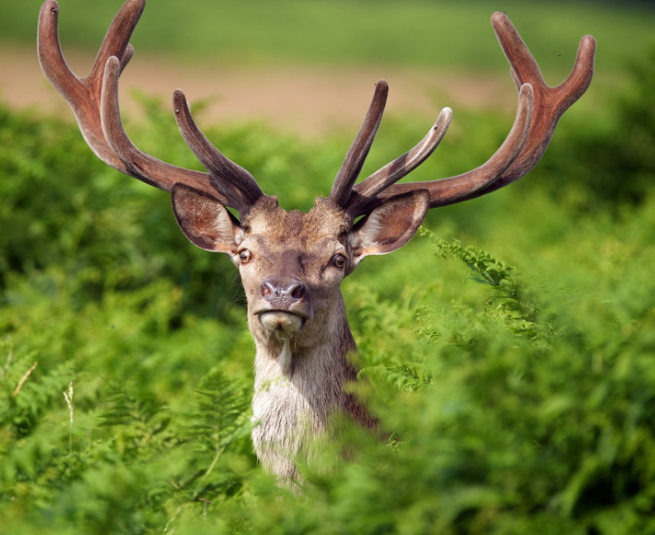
(309,253)
(292,264)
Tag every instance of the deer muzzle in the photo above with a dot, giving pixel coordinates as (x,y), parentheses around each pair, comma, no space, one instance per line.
(284,305)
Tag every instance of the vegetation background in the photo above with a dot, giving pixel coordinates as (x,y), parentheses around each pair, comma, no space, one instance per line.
(510,347)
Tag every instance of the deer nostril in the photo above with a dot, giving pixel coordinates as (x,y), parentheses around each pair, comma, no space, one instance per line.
(287,290)
(267,289)
(297,291)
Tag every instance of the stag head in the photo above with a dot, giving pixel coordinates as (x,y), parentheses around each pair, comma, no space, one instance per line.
(292,264)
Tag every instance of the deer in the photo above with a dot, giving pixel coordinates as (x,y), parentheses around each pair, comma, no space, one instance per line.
(291,264)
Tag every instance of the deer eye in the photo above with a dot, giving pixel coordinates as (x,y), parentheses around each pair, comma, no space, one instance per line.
(244,256)
(339,261)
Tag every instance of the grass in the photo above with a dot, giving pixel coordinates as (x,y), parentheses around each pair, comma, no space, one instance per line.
(451,35)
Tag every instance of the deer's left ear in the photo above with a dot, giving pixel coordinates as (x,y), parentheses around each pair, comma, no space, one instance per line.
(205,220)
(390,226)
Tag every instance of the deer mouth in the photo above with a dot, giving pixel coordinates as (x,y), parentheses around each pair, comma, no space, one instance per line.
(281,322)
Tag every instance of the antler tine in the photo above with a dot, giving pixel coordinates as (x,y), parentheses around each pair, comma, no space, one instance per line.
(530,135)
(83,94)
(354,160)
(551,102)
(117,38)
(230,179)
(392,172)
(51,58)
(458,188)
(136,163)
(94,101)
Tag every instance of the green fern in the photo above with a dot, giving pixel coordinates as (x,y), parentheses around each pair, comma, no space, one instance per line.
(511,303)
(221,414)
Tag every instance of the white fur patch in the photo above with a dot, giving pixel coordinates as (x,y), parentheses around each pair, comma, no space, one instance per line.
(374,227)
(222,225)
(284,360)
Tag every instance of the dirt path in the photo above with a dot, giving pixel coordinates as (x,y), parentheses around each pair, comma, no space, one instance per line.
(307,101)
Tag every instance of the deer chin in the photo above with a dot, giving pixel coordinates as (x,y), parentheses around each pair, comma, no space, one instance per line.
(281,322)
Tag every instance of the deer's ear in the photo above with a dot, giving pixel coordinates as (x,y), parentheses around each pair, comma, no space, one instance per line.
(391,225)
(204,220)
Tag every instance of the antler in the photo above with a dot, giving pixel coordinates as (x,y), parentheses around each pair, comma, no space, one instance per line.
(94,101)
(539,108)
(354,160)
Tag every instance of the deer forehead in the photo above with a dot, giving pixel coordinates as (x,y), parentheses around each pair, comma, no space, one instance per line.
(278,229)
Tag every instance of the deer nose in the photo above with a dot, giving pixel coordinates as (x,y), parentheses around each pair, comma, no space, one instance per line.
(283,290)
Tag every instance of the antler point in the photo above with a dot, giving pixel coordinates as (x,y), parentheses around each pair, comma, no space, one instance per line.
(50,5)
(382,86)
(588,40)
(112,64)
(498,17)
(179,100)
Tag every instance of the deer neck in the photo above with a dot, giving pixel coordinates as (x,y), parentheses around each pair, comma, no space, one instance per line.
(298,387)
(306,363)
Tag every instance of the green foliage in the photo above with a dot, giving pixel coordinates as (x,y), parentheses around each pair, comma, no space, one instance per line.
(516,387)
(508,305)
(424,33)
(138,413)
(511,433)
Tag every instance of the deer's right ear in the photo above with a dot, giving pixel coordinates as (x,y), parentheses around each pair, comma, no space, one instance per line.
(204,220)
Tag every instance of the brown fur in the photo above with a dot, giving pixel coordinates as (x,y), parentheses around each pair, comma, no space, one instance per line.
(294,406)
(304,343)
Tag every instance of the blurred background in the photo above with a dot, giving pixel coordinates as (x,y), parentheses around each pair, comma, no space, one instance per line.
(308,67)
(509,346)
